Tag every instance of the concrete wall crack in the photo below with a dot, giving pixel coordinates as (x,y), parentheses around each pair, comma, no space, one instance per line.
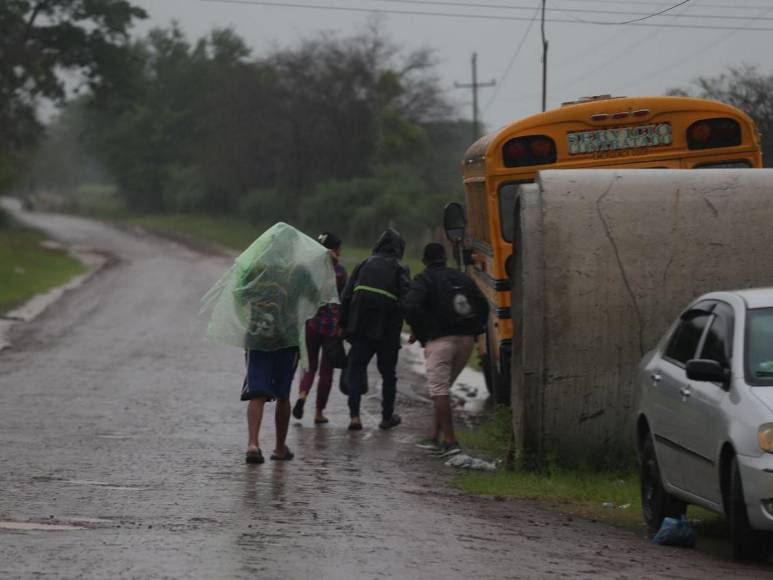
(626,282)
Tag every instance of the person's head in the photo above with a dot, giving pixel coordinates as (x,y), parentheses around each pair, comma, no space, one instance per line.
(391,243)
(331,242)
(434,253)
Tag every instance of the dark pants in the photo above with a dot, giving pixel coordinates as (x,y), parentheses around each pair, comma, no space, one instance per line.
(314,342)
(357,368)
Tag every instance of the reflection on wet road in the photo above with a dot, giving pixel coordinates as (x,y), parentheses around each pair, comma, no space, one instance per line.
(122,457)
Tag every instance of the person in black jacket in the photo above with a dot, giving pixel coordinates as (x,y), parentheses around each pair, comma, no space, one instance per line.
(446,310)
(371,318)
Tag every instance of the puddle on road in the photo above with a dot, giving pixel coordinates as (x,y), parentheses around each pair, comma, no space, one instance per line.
(35,527)
(104,484)
(115,436)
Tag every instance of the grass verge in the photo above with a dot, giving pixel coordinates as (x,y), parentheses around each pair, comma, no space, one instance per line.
(605,496)
(27,269)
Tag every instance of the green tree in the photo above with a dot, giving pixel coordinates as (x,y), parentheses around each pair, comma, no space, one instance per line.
(39,39)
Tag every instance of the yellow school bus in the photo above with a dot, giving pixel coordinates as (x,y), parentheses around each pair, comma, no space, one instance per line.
(594,132)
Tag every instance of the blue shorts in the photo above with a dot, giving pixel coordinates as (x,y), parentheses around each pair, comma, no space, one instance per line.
(269,373)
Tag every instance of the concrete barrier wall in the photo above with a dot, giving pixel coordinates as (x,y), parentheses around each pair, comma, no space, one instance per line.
(606,260)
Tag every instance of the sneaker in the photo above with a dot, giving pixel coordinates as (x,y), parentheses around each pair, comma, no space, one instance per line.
(298,408)
(428,444)
(448,450)
(390,423)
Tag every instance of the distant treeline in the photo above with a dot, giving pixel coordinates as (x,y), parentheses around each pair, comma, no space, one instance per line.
(347,134)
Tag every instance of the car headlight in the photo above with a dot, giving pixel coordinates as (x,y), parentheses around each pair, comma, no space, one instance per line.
(765,437)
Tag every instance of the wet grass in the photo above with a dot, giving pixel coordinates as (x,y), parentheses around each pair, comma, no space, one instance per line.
(611,497)
(27,269)
(229,232)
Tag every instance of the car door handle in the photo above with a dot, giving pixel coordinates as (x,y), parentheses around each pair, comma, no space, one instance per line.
(685,391)
(656,378)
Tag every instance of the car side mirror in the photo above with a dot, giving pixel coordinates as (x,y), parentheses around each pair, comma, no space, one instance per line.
(701,369)
(454,222)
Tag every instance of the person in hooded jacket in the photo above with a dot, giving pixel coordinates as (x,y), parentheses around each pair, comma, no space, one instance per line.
(371,318)
(446,311)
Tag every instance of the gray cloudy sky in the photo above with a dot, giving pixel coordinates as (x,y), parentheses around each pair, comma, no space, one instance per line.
(584,59)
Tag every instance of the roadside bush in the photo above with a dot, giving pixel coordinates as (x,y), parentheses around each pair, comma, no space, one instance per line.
(5,219)
(266,206)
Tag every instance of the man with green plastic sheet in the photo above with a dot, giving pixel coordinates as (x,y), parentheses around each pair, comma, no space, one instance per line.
(261,304)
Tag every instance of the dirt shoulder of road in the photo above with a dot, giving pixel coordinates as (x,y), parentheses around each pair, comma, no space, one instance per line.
(39,271)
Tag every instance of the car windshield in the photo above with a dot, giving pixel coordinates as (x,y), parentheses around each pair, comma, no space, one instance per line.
(759,346)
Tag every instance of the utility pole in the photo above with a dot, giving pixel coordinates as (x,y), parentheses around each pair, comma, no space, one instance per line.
(475,85)
(544,61)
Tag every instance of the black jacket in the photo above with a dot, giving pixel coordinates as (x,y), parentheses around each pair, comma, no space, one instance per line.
(421,303)
(371,304)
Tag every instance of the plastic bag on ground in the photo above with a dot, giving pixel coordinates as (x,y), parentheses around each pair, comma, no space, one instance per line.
(264,300)
(675,532)
(467,462)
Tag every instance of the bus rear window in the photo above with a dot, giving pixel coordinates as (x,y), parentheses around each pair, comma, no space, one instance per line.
(507,207)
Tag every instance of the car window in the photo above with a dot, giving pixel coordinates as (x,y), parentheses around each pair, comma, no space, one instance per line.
(759,346)
(719,336)
(684,342)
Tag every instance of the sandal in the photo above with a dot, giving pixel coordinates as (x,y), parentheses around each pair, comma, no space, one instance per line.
(321,420)
(254,457)
(298,408)
(286,457)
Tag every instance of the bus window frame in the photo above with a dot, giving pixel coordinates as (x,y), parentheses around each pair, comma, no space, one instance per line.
(502,185)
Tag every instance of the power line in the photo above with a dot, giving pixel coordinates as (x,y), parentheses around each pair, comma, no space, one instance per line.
(512,60)
(500,18)
(700,50)
(703,4)
(643,15)
(631,21)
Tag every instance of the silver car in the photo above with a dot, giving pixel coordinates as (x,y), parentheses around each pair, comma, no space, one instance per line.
(704,420)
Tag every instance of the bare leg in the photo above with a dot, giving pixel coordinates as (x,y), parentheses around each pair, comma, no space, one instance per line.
(282,418)
(436,423)
(254,418)
(443,414)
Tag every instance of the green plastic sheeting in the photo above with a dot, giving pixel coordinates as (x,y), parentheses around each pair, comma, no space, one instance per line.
(264,300)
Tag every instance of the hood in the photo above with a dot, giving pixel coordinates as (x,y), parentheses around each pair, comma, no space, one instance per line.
(764,394)
(391,243)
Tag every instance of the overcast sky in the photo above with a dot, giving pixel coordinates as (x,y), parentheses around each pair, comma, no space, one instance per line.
(584,59)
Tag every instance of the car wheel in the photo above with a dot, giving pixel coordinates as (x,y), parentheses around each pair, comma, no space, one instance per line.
(748,544)
(656,502)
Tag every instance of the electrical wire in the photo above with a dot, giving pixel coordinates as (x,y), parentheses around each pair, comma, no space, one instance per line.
(512,60)
(703,4)
(700,50)
(631,21)
(500,18)
(643,15)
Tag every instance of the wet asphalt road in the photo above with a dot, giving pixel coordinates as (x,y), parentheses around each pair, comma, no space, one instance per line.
(122,425)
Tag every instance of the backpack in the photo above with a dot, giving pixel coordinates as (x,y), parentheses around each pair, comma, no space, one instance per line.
(456,303)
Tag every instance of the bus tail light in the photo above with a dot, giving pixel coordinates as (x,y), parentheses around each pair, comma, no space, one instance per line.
(641,113)
(620,115)
(532,150)
(711,133)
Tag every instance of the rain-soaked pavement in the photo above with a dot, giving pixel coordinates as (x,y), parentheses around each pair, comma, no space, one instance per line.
(122,457)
